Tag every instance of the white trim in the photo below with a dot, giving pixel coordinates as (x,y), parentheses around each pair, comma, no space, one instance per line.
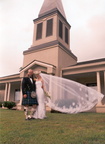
(6,88)
(21,95)
(98,82)
(44,64)
(39,63)
(8,95)
(98,86)
(104,82)
(84,66)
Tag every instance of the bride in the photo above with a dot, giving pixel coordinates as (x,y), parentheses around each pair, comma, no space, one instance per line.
(41,108)
(63,95)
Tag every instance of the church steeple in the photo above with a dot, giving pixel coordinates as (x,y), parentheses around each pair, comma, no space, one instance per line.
(51,6)
(51,38)
(51,26)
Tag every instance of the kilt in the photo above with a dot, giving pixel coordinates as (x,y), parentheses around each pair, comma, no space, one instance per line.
(29,100)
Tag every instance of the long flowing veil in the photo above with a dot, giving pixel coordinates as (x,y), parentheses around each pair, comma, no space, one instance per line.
(68,96)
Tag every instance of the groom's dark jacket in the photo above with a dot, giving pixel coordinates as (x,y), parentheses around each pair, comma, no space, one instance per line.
(27,85)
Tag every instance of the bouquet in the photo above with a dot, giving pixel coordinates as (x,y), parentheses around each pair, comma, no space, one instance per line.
(47,94)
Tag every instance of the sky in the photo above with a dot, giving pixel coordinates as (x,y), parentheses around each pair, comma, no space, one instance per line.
(87,34)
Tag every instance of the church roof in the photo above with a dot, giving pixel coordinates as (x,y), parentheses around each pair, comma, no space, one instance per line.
(50,6)
(91,61)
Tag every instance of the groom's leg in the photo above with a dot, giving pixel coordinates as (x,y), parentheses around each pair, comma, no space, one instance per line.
(33,110)
(26,111)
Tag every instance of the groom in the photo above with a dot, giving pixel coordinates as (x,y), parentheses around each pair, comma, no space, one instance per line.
(28,85)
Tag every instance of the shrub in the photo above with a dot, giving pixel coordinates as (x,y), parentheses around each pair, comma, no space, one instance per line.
(9,104)
(1,104)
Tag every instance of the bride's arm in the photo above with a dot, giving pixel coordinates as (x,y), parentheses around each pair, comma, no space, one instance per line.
(45,91)
(43,87)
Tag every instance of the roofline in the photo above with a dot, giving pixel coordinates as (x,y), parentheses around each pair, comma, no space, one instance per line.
(84,64)
(36,61)
(46,45)
(51,13)
(10,75)
(10,78)
(90,61)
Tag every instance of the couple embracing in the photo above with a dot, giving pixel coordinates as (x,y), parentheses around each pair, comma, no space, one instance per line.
(68,96)
(33,82)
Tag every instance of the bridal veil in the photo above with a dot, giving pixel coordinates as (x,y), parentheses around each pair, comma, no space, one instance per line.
(69,96)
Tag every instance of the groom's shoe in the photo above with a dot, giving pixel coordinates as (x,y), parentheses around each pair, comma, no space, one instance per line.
(32,118)
(28,118)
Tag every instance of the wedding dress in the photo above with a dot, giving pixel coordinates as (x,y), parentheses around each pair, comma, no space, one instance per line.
(41,110)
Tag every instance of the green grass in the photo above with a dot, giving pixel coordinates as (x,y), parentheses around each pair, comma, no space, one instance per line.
(82,128)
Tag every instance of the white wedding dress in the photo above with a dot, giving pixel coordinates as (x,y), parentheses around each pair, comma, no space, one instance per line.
(41,109)
(66,96)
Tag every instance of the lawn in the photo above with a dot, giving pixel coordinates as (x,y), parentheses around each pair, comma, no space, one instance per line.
(82,128)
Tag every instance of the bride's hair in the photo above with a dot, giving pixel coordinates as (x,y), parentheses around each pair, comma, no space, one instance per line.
(34,76)
(37,72)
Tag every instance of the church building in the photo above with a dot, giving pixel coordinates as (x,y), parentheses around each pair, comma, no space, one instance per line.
(50,53)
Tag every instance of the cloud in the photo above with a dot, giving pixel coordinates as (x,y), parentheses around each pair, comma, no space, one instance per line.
(89,41)
(16,30)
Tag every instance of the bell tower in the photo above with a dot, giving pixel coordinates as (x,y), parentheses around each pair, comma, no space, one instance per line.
(51,38)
